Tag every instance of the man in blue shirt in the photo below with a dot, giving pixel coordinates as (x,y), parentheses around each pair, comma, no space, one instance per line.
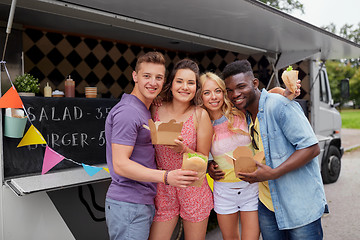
(291,193)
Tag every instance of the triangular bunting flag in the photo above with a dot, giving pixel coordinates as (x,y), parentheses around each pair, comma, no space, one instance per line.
(31,137)
(91,170)
(106,169)
(11,99)
(51,158)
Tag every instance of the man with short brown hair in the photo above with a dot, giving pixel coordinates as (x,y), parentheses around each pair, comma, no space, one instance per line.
(129,205)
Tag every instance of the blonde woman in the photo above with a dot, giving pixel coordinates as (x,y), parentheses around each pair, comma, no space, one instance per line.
(234,199)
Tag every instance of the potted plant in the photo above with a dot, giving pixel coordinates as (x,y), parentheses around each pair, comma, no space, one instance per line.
(27,85)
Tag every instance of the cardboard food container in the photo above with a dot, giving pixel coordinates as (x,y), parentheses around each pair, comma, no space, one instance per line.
(164,133)
(243,160)
(195,162)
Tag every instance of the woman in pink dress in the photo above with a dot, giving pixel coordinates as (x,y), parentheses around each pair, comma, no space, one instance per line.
(193,204)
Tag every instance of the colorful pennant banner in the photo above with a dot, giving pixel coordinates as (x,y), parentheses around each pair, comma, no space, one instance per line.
(51,159)
(11,99)
(32,137)
(91,170)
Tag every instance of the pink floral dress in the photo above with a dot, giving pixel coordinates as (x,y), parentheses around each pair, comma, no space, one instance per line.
(192,203)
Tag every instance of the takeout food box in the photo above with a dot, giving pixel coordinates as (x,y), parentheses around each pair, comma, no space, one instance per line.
(198,163)
(243,160)
(164,133)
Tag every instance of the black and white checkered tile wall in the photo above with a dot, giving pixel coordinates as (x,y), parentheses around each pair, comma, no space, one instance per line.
(51,57)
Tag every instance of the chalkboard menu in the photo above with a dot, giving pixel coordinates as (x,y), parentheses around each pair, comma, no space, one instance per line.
(73,127)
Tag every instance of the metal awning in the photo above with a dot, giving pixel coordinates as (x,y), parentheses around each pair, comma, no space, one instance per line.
(243,26)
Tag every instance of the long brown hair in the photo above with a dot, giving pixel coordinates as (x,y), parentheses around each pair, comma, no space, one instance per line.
(182,64)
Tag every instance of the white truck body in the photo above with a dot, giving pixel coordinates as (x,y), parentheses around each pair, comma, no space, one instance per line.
(47,206)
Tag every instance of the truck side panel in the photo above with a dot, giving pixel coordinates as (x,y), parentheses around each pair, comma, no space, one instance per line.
(31,217)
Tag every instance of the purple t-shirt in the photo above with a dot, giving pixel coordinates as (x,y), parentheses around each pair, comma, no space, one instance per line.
(124,125)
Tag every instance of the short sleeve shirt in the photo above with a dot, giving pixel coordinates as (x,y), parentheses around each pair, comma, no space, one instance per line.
(125,125)
(298,196)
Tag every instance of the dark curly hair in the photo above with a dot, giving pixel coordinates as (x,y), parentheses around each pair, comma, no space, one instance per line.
(182,64)
(239,66)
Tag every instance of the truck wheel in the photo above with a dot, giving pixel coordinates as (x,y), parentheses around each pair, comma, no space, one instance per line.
(331,165)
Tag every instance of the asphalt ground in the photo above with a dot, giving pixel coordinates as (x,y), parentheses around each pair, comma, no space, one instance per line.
(350,138)
(343,222)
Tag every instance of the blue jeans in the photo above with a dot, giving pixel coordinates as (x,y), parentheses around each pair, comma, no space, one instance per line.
(127,221)
(270,231)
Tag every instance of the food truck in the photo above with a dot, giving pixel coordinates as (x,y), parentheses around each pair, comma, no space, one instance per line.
(97,43)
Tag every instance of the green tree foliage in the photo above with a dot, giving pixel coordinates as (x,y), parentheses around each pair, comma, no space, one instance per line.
(285,5)
(346,68)
(351,32)
(348,31)
(355,87)
(337,71)
(331,28)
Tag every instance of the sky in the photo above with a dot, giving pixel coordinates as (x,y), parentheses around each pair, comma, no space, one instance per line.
(323,12)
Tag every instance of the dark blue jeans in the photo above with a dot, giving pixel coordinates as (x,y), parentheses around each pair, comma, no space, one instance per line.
(270,231)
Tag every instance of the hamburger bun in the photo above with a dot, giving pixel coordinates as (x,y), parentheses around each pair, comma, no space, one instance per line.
(196,164)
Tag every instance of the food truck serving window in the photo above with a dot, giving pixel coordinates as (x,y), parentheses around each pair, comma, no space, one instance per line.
(72,127)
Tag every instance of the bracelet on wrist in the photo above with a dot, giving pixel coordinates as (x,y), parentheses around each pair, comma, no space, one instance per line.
(165,178)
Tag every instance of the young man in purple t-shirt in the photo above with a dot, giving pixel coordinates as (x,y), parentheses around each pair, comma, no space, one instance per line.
(129,205)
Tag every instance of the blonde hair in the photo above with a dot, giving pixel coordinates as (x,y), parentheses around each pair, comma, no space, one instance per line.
(228,109)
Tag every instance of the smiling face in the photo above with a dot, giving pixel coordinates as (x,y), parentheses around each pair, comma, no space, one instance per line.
(183,87)
(213,98)
(241,89)
(149,80)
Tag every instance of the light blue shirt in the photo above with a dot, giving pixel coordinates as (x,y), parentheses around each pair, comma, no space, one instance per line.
(298,196)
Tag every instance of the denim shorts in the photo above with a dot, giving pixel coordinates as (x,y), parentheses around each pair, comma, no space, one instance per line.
(127,221)
(270,231)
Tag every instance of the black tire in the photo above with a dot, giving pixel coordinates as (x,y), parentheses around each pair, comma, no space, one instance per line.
(331,165)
